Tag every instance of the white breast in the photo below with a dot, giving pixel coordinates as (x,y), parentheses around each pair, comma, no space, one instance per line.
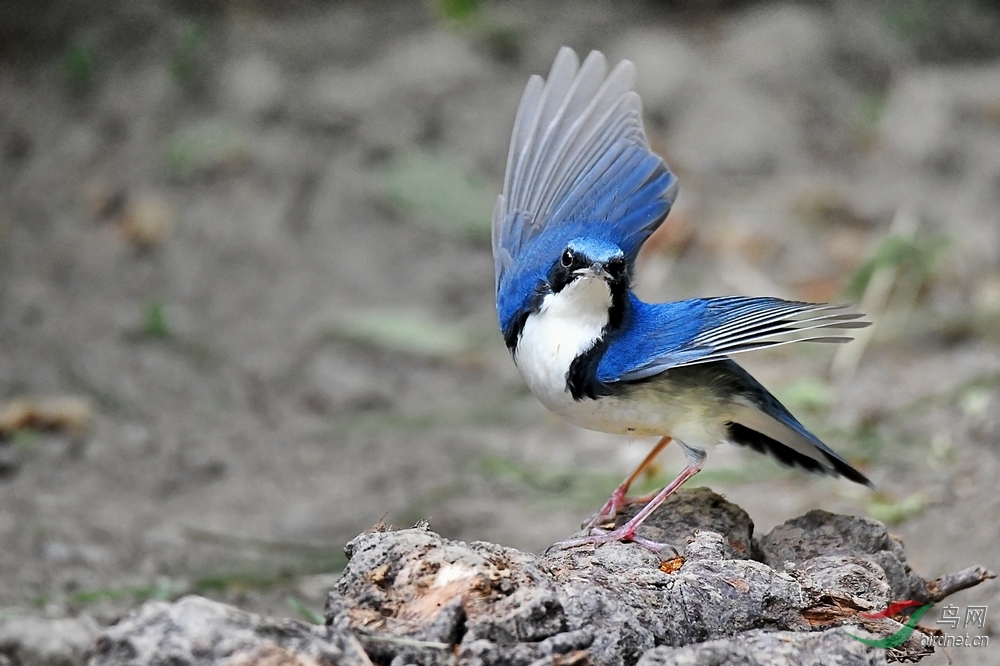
(566,325)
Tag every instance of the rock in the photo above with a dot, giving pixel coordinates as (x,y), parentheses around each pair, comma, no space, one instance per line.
(413,597)
(146,221)
(770,648)
(819,533)
(31,641)
(852,576)
(689,510)
(616,602)
(197,630)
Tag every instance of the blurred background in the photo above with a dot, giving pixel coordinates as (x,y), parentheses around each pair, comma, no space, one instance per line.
(246,289)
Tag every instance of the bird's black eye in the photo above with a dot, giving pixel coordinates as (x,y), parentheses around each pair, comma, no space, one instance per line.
(567,259)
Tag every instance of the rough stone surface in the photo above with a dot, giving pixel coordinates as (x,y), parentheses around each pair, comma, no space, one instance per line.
(195,630)
(822,533)
(770,648)
(616,603)
(410,596)
(46,642)
(682,514)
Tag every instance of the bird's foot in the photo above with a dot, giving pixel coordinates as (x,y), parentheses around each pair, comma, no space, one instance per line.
(624,533)
(608,511)
(612,506)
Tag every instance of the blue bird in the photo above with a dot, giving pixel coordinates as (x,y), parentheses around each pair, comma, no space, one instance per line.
(581,194)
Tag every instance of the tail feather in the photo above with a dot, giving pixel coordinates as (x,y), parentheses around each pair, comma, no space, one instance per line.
(786,455)
(759,421)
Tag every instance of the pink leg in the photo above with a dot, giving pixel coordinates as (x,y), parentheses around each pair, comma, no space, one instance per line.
(617,499)
(627,532)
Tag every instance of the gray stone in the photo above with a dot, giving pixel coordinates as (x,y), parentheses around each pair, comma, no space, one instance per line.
(854,576)
(413,597)
(197,630)
(34,641)
(689,511)
(820,533)
(771,648)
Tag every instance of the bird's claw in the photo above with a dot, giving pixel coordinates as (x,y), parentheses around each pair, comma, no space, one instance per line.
(610,509)
(598,537)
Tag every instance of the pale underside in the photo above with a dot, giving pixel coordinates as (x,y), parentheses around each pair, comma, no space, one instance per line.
(567,325)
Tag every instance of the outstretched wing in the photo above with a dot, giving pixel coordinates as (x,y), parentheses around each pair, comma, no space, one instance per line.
(579,165)
(660,336)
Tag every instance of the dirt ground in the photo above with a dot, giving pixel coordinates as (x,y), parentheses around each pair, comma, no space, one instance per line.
(253,238)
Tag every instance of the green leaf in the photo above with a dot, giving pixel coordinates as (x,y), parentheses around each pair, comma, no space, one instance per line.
(80,65)
(440,194)
(25,438)
(202,148)
(460,12)
(184,63)
(154,323)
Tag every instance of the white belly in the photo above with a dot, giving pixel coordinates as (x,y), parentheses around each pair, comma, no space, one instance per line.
(550,342)
(560,331)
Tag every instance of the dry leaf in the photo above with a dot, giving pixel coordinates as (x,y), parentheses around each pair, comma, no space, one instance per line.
(69,413)
(672,565)
(146,221)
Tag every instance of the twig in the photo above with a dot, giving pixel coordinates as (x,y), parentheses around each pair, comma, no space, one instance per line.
(949,584)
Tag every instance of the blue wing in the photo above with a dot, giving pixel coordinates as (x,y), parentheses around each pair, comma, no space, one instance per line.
(579,165)
(659,336)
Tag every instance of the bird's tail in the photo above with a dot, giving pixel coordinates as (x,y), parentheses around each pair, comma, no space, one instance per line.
(759,421)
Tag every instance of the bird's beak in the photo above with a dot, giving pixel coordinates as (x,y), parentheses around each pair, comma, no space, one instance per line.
(594,270)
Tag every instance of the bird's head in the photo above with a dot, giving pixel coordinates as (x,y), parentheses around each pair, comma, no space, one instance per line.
(589,280)
(587,259)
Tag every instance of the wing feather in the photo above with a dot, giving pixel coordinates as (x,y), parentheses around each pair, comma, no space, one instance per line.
(579,164)
(653,342)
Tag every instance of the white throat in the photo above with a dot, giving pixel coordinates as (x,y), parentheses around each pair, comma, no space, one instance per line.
(566,325)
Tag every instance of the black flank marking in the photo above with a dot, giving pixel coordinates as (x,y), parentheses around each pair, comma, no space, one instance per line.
(513,332)
(581,380)
(619,301)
